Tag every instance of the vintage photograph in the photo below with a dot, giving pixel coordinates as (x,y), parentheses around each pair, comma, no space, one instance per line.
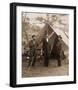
(42,44)
(45,44)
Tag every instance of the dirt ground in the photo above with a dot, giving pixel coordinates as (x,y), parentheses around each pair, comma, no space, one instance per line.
(39,70)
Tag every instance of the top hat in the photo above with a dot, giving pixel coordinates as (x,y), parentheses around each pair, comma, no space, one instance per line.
(59,36)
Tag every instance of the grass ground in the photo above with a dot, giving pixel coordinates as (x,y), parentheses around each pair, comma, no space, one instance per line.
(39,70)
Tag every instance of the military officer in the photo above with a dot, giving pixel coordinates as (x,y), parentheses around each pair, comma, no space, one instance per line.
(33,47)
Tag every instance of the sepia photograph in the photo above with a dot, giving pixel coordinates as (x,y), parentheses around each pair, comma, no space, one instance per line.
(45,44)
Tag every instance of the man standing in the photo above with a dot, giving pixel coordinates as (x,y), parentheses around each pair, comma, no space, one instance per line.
(45,51)
(59,49)
(33,47)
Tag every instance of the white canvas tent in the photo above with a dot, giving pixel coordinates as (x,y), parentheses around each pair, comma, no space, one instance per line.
(54,32)
(63,35)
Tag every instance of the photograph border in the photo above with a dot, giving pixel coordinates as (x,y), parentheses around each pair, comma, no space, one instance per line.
(13,41)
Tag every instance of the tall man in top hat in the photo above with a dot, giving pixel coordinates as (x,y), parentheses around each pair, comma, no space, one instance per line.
(59,49)
(46,50)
